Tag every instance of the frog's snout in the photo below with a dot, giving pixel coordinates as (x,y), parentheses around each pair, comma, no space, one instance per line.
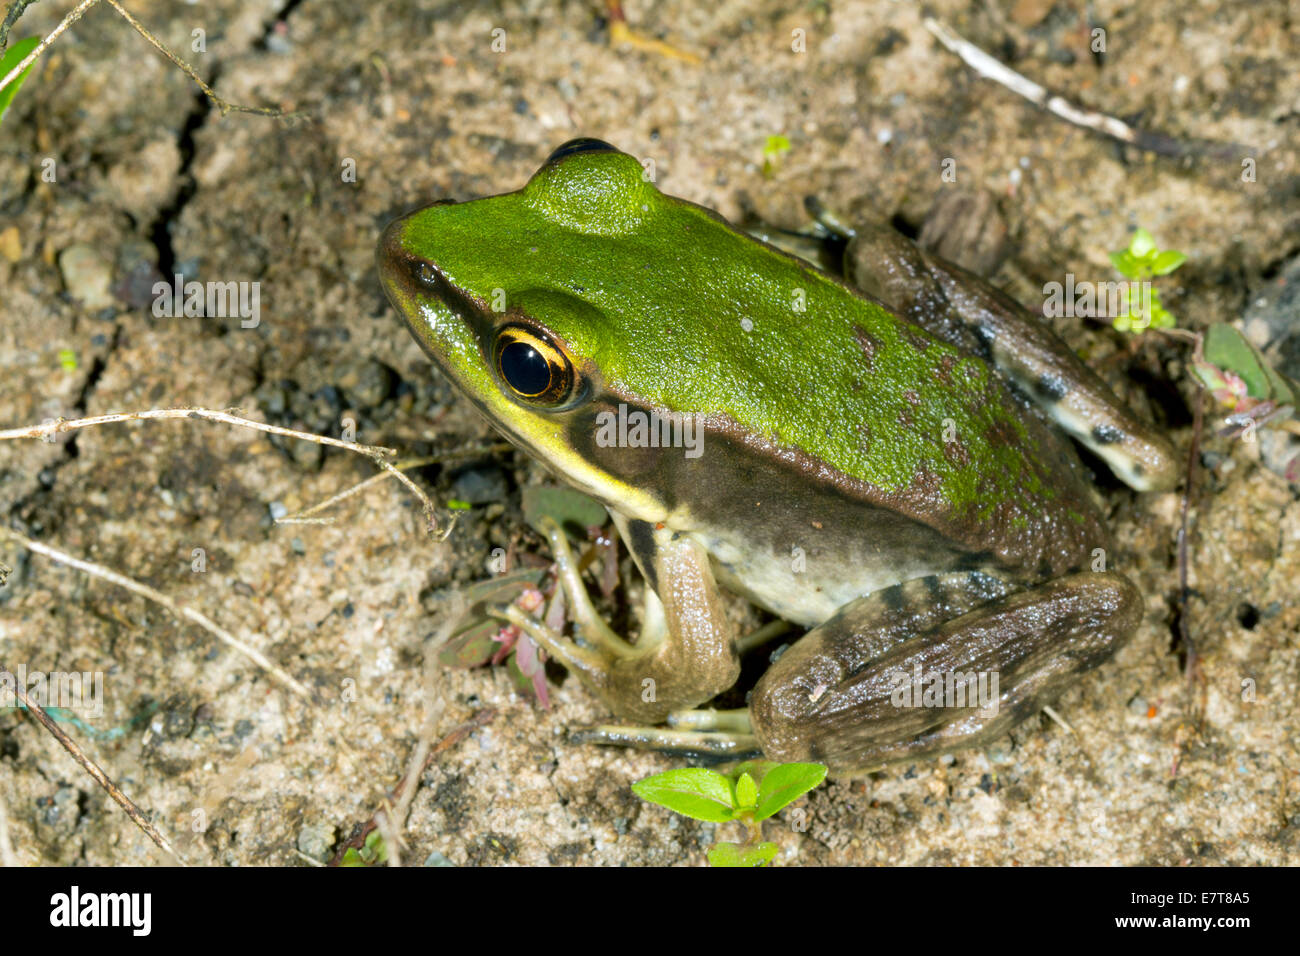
(389,254)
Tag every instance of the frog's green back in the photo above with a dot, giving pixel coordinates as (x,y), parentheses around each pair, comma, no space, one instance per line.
(687,314)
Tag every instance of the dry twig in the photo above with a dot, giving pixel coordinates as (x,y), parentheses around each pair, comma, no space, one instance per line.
(92,768)
(993,69)
(99,571)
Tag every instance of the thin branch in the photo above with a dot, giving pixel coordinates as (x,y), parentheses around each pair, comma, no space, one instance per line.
(358,839)
(376,453)
(1059,720)
(61,425)
(1184,558)
(430,513)
(93,769)
(11,16)
(620,33)
(391,819)
(98,571)
(7,855)
(307,515)
(993,69)
(54,34)
(223,105)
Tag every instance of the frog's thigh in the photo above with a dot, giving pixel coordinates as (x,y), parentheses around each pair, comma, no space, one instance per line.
(853,693)
(967,311)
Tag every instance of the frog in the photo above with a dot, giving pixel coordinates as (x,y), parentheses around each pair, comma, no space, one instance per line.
(882,457)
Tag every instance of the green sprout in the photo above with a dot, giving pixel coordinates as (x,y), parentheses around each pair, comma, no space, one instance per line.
(372,852)
(754,791)
(68,360)
(12,57)
(776,147)
(1140,262)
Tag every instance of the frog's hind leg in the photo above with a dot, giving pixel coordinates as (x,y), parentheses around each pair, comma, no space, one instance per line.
(936,664)
(966,311)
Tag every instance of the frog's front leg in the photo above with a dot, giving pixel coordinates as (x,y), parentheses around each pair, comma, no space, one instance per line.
(685,654)
(936,664)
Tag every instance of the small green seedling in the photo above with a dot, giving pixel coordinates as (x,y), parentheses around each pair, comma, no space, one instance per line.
(1140,262)
(12,57)
(372,853)
(754,791)
(773,151)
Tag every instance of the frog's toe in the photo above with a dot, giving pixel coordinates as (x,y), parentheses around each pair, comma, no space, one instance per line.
(719,745)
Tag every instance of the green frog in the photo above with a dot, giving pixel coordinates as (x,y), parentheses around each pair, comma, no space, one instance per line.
(877,457)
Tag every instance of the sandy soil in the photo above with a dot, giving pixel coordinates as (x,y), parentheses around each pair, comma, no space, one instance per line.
(150,181)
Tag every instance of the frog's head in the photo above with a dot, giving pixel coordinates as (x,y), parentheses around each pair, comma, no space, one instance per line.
(504,294)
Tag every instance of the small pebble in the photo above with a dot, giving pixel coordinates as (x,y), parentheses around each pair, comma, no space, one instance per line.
(87,276)
(315,840)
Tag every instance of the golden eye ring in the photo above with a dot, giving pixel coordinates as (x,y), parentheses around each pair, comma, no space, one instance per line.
(533,367)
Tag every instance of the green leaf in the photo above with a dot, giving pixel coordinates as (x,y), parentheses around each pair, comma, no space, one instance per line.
(68,360)
(776,145)
(1124,263)
(16,53)
(1161,318)
(1228,349)
(758,769)
(1167,262)
(571,510)
(374,851)
(471,641)
(746,792)
(734,854)
(1142,244)
(692,791)
(471,646)
(523,683)
(786,784)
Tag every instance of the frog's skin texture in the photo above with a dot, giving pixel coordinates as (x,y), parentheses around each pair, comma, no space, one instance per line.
(878,463)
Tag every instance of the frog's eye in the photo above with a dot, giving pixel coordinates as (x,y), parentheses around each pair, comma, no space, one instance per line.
(574,146)
(536,370)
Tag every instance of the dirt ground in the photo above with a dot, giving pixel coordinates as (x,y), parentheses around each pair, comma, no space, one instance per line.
(149,181)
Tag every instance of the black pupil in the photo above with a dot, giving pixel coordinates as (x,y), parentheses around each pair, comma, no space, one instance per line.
(525,369)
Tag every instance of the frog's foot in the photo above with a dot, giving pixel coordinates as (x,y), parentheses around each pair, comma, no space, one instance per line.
(936,664)
(722,734)
(684,655)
